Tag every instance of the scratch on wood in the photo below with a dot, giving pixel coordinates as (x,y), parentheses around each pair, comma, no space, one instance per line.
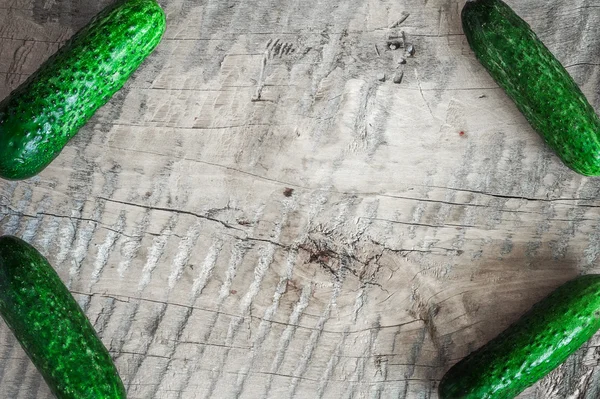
(288,333)
(310,346)
(264,262)
(183,255)
(12,226)
(265,324)
(206,270)
(156,252)
(332,363)
(367,352)
(396,23)
(273,49)
(67,234)
(105,250)
(33,226)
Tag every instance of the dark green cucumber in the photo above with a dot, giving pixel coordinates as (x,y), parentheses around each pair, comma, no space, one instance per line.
(536,81)
(52,328)
(39,117)
(530,348)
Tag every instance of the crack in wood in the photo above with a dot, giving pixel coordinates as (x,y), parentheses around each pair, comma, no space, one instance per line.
(177,211)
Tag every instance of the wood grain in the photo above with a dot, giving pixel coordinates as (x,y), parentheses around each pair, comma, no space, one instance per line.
(260,214)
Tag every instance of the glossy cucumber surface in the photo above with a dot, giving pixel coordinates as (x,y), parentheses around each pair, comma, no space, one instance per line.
(530,348)
(536,81)
(52,328)
(39,117)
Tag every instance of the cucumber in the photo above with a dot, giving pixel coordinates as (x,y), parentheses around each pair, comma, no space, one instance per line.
(530,348)
(535,80)
(52,328)
(40,116)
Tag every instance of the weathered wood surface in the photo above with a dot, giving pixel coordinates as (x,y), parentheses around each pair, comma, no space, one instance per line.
(337,238)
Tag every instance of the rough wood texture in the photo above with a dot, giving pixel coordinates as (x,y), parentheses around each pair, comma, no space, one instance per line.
(260,214)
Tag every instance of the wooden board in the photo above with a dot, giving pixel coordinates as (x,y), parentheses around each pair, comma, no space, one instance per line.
(262,212)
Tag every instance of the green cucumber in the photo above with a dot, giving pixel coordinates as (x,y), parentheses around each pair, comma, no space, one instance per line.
(535,80)
(40,116)
(530,348)
(52,328)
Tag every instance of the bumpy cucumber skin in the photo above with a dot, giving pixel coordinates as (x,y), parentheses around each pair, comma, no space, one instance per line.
(530,348)
(39,117)
(536,81)
(51,327)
